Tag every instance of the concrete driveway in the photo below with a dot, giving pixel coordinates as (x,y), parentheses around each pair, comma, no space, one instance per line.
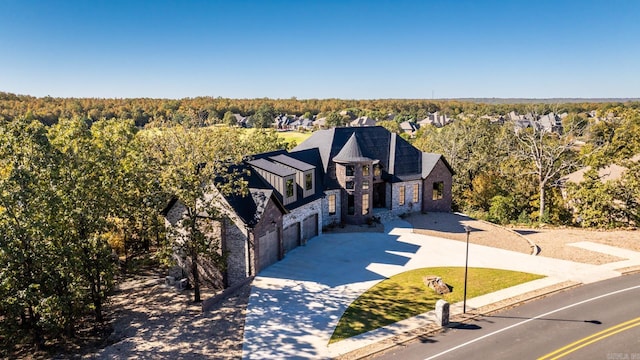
(296,303)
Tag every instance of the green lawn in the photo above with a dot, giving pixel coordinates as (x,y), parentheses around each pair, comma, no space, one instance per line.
(296,136)
(288,136)
(405,295)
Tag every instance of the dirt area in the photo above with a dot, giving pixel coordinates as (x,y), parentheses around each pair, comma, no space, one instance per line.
(553,243)
(155,321)
(451,226)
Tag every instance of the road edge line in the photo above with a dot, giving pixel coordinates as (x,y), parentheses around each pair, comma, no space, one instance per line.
(432,329)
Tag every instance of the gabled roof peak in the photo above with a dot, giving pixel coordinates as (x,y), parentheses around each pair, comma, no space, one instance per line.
(351,152)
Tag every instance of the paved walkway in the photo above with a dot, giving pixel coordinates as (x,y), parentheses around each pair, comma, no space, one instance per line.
(296,303)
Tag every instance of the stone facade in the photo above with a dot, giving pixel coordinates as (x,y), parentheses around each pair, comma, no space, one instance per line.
(303,212)
(208,270)
(357,184)
(408,206)
(238,253)
(236,241)
(271,221)
(440,173)
(175,214)
(328,219)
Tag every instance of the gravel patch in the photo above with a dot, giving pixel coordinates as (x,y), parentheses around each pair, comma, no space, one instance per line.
(451,226)
(155,321)
(553,243)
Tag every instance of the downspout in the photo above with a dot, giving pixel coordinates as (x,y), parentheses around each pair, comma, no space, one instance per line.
(250,266)
(392,164)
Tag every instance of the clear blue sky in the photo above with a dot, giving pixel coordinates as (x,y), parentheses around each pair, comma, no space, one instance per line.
(361,49)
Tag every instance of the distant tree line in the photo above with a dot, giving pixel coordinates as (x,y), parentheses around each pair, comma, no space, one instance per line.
(141,111)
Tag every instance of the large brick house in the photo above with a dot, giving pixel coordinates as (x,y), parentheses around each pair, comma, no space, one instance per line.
(341,175)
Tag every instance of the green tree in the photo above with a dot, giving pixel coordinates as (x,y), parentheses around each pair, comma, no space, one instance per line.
(502,209)
(593,201)
(28,223)
(87,188)
(334,119)
(134,193)
(229,119)
(548,156)
(188,162)
(472,148)
(390,125)
(263,117)
(263,140)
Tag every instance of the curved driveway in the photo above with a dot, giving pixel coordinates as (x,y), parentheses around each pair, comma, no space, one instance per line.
(296,303)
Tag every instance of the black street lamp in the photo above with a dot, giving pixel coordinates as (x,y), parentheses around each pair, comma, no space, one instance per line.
(467,229)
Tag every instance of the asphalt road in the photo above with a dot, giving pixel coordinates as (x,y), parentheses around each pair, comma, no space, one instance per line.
(596,321)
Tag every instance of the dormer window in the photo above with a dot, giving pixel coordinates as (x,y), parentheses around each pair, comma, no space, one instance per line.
(289,188)
(308,181)
(350,170)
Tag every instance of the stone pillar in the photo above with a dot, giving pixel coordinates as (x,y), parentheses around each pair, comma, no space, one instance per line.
(442,312)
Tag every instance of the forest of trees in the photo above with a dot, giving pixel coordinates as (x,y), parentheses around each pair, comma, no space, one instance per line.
(79,198)
(82,182)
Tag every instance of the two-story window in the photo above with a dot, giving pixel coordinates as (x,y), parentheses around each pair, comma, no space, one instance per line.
(416,193)
(365,204)
(401,195)
(332,204)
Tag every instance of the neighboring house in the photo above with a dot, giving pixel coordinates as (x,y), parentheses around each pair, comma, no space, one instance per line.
(305,124)
(550,123)
(611,172)
(320,123)
(409,127)
(241,121)
(284,122)
(363,121)
(435,119)
(338,176)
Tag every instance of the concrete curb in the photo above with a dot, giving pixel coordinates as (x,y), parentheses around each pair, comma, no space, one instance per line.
(456,319)
(629,270)
(535,249)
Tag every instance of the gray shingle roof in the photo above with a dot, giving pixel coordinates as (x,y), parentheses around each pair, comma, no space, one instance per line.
(291,162)
(351,152)
(429,161)
(250,208)
(610,172)
(271,167)
(374,142)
